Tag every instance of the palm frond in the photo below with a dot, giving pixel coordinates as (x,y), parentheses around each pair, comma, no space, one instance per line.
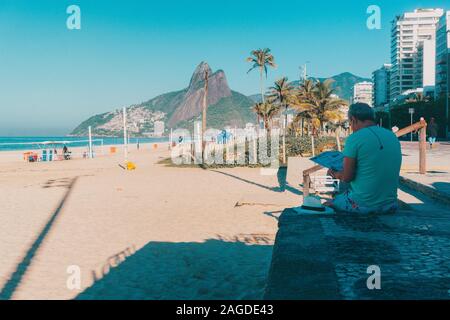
(262,58)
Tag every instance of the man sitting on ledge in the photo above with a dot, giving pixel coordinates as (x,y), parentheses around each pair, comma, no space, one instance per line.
(372,160)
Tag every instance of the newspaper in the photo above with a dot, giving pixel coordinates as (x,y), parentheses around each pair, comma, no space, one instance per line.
(330,159)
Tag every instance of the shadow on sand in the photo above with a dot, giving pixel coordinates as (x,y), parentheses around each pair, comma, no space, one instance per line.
(14,281)
(214,269)
(283,185)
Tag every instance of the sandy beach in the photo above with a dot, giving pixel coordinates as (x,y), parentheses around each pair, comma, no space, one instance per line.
(157,232)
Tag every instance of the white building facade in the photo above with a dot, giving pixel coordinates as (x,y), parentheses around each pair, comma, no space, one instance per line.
(363,92)
(426,66)
(413,42)
(158,128)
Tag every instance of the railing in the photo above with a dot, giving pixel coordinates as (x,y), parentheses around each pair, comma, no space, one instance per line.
(420,126)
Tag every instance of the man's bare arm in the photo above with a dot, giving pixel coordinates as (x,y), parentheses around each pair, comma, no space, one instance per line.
(348,174)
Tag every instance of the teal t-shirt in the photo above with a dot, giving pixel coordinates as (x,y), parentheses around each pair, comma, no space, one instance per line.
(378,159)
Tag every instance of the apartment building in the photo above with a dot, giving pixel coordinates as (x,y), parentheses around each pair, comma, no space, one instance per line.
(381,79)
(442,56)
(362,92)
(413,39)
(158,128)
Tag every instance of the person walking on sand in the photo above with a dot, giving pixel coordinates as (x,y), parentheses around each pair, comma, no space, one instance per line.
(432,131)
(372,160)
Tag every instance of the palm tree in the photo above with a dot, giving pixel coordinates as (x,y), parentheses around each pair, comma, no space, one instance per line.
(303,113)
(321,101)
(306,89)
(205,107)
(327,103)
(282,93)
(261,59)
(266,111)
(301,103)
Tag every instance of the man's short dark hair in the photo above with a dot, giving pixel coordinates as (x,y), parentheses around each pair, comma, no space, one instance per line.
(361,111)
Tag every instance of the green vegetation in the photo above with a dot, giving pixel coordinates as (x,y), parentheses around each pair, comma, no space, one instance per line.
(94,121)
(314,102)
(282,93)
(230,111)
(267,111)
(427,109)
(166,103)
(302,146)
(317,101)
(296,146)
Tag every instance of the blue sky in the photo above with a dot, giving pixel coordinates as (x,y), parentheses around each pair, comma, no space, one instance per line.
(126,52)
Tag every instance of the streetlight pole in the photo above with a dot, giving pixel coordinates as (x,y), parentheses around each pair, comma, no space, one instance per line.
(411,124)
(411,112)
(304,74)
(125,140)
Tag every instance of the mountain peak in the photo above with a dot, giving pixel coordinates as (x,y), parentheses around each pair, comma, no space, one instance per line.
(191,105)
(345,74)
(182,107)
(348,75)
(199,73)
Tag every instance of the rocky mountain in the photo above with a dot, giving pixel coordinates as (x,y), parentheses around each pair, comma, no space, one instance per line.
(191,104)
(179,108)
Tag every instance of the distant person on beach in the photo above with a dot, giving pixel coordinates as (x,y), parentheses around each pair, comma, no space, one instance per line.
(432,132)
(372,160)
(66,153)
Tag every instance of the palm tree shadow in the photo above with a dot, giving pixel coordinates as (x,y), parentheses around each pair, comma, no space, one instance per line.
(281,177)
(214,269)
(245,180)
(14,281)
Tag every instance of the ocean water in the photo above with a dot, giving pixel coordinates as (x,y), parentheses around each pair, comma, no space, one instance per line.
(34,143)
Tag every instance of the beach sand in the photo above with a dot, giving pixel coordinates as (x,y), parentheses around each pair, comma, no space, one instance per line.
(157,232)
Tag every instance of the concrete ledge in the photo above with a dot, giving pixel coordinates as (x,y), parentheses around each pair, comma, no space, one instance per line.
(294,275)
(426,190)
(327,256)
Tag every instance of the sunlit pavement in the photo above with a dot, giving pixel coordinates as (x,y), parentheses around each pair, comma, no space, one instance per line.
(436,182)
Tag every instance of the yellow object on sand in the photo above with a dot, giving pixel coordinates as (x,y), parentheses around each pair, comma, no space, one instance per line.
(130,165)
